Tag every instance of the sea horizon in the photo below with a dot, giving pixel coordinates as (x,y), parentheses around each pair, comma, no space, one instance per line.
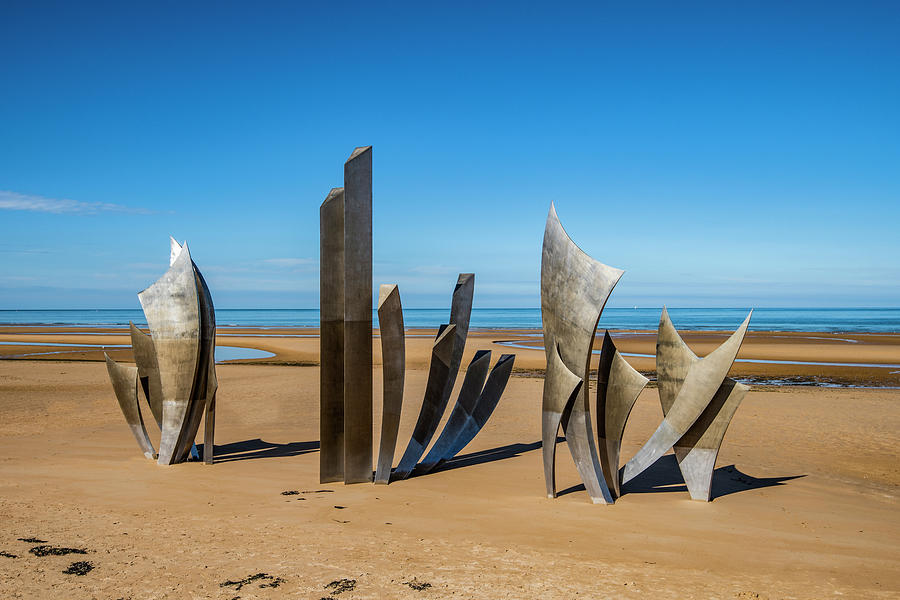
(826,320)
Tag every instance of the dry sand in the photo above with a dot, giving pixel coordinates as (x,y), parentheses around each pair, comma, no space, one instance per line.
(805,494)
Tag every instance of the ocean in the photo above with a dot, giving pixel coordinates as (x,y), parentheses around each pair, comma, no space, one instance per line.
(838,320)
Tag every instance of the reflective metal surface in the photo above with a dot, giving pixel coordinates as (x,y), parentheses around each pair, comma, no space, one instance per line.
(331,337)
(431,411)
(618,387)
(694,382)
(393,360)
(473,382)
(574,290)
(125,384)
(172,308)
(465,424)
(358,316)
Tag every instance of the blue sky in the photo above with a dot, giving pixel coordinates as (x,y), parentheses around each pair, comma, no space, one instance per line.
(723,154)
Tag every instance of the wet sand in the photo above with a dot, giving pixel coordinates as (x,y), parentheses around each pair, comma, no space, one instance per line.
(805,492)
(870,360)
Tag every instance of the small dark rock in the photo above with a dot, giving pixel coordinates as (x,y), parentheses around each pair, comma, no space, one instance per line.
(82,567)
(290,493)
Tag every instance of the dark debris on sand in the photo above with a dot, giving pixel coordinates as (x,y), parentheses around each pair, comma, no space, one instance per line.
(55,551)
(8,555)
(32,540)
(269,581)
(290,493)
(419,586)
(82,567)
(341,585)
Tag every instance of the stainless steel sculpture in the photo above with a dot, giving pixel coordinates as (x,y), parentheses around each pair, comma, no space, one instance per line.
(460,313)
(346,325)
(473,382)
(358,316)
(393,360)
(697,449)
(474,406)
(148,371)
(441,376)
(331,337)
(345,413)
(172,308)
(687,386)
(574,290)
(618,387)
(125,383)
(175,367)
(431,411)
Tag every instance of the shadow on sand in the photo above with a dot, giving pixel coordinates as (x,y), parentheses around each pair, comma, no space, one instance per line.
(486,456)
(664,476)
(257,448)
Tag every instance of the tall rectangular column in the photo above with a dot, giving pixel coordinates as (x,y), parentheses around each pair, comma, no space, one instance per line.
(358,316)
(331,337)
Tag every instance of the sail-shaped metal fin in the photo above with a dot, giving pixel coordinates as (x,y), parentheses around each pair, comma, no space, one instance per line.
(205,364)
(148,371)
(484,407)
(698,448)
(172,308)
(393,360)
(124,380)
(574,290)
(618,387)
(701,381)
(431,411)
(562,388)
(473,383)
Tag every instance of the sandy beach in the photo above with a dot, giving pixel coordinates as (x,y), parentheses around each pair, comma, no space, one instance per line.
(805,491)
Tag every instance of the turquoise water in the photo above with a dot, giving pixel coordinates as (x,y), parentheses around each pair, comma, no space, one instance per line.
(860,320)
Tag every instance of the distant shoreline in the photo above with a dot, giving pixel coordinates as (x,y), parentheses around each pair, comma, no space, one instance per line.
(808,320)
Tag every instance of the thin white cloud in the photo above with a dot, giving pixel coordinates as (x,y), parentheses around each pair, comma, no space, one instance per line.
(15,201)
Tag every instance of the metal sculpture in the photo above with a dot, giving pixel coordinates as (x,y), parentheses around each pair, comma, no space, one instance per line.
(393,360)
(175,367)
(358,316)
(460,313)
(618,387)
(125,384)
(148,370)
(687,385)
(441,377)
(697,449)
(345,338)
(331,337)
(472,410)
(346,325)
(574,290)
(431,411)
